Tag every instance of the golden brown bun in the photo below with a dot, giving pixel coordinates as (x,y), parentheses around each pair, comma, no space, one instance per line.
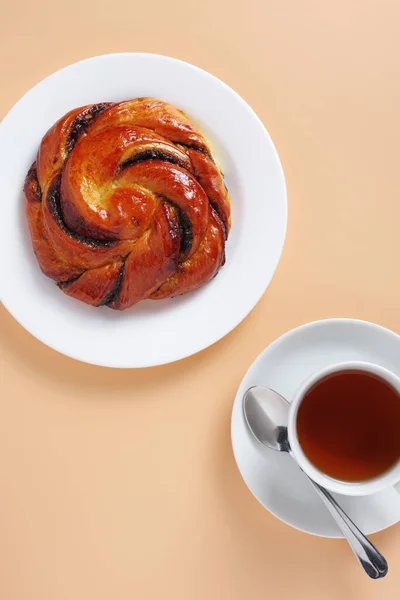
(125,202)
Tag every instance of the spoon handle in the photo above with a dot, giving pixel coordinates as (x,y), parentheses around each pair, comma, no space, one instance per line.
(371,560)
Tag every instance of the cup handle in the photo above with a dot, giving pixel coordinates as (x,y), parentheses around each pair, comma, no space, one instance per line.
(397,487)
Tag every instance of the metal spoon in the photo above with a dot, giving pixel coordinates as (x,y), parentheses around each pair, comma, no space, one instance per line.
(266,413)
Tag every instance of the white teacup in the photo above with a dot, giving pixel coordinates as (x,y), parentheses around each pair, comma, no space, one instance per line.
(362,488)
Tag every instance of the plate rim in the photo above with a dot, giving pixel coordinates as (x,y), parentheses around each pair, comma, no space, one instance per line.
(195,348)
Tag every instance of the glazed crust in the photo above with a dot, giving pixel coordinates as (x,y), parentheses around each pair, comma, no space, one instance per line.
(125,202)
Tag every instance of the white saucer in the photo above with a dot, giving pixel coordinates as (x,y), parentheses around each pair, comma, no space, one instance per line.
(151,333)
(274,478)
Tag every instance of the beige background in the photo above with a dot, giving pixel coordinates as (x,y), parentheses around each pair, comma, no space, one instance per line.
(120,485)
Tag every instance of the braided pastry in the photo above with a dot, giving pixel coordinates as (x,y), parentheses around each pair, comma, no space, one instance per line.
(125,202)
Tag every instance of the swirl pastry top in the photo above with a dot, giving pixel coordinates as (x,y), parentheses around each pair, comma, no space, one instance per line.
(125,202)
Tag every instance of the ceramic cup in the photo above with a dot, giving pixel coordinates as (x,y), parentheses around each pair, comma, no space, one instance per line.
(362,488)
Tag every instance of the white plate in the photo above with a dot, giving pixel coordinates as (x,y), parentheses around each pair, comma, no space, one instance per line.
(159,332)
(274,478)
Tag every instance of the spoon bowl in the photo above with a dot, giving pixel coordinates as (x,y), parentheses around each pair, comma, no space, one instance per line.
(267,413)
